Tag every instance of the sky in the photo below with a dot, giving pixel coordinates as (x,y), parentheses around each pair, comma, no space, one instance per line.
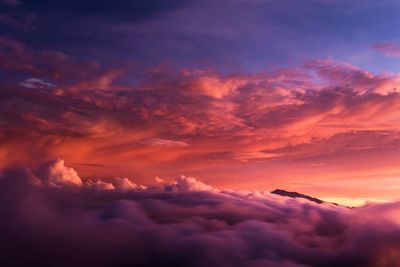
(153,133)
(253,95)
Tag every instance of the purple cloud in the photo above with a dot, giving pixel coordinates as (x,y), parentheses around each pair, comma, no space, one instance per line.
(36,83)
(196,225)
(388,49)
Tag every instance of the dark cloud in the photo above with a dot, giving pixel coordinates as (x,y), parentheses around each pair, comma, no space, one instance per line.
(111,11)
(10,3)
(229,35)
(196,225)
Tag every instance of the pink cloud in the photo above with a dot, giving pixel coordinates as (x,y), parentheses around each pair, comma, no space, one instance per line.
(388,49)
(163,142)
(16,56)
(188,184)
(56,174)
(217,87)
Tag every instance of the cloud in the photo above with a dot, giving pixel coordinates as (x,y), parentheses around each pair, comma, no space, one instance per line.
(163,142)
(246,156)
(121,11)
(188,184)
(216,87)
(18,57)
(158,179)
(100,185)
(36,83)
(124,184)
(388,49)
(192,225)
(12,3)
(194,121)
(56,174)
(344,75)
(116,184)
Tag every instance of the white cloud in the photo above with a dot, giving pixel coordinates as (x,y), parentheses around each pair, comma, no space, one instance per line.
(36,83)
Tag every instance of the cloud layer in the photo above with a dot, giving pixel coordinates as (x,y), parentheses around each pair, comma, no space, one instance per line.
(305,121)
(183,223)
(170,122)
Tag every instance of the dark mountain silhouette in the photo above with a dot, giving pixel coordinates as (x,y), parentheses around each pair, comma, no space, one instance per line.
(296,195)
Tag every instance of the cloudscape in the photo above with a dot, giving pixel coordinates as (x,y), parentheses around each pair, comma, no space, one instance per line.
(200,133)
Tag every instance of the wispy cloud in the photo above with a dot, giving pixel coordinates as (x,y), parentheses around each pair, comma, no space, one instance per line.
(388,49)
(36,83)
(163,142)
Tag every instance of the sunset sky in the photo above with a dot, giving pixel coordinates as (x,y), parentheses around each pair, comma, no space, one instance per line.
(260,94)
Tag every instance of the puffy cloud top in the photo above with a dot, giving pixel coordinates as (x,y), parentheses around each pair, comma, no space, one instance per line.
(56,174)
(188,184)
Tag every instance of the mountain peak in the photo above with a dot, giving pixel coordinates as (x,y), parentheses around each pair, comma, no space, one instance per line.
(296,195)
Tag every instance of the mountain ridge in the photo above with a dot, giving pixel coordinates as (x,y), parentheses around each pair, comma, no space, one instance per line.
(285,193)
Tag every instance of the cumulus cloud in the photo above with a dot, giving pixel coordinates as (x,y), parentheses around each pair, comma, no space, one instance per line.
(116,184)
(56,174)
(100,185)
(188,184)
(125,184)
(188,223)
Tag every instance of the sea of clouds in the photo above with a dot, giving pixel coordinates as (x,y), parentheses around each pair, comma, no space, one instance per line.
(51,217)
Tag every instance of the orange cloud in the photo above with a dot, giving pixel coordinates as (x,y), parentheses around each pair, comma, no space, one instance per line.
(168,123)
